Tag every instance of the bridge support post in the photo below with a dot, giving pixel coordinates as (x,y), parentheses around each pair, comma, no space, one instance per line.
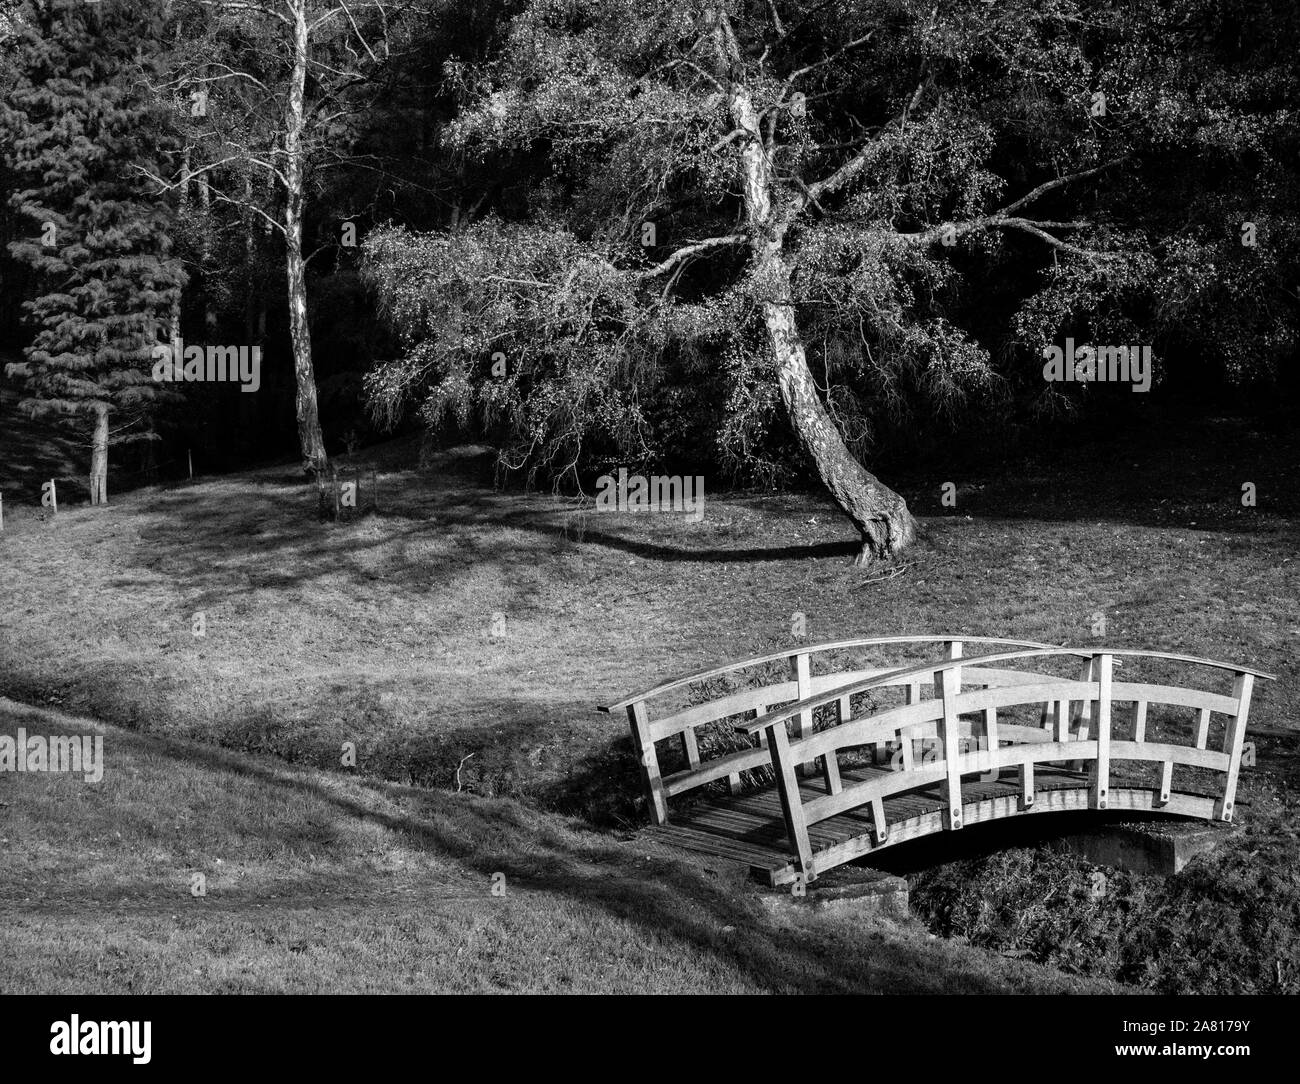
(1232,743)
(1102,666)
(787,782)
(648,758)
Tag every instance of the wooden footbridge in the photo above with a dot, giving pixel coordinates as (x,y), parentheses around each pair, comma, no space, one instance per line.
(803,771)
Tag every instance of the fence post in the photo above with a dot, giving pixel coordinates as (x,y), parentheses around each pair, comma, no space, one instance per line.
(2,511)
(791,800)
(1232,741)
(1102,665)
(648,758)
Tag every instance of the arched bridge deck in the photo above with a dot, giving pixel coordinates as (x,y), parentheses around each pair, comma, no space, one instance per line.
(803,773)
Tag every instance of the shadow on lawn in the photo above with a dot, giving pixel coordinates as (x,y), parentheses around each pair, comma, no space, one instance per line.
(670,900)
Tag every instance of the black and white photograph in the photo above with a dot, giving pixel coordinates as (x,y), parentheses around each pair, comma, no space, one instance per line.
(648,498)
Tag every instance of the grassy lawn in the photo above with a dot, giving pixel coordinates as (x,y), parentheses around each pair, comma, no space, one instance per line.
(316,882)
(387,632)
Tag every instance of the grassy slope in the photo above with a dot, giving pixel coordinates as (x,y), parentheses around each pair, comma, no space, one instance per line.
(378,631)
(318,882)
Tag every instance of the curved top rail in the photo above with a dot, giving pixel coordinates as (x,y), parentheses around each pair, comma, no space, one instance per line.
(893,677)
(1176,657)
(811,649)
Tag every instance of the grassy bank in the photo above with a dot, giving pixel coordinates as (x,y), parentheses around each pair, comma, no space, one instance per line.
(461,638)
(319,882)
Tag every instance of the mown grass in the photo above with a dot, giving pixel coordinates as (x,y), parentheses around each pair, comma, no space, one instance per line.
(383,631)
(320,882)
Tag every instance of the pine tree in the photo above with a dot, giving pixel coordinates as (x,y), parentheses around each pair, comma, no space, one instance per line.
(79,129)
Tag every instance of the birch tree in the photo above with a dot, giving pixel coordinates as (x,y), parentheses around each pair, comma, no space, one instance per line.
(747,179)
(274,86)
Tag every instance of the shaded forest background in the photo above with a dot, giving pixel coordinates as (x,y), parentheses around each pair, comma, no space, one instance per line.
(1223,317)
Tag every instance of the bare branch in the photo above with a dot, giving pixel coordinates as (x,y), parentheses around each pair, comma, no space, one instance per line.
(690,251)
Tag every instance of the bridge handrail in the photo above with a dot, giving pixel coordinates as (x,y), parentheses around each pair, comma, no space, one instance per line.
(895,677)
(1098,690)
(804,649)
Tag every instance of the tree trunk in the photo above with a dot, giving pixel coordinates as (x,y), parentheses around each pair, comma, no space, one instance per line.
(309,431)
(99,457)
(880,514)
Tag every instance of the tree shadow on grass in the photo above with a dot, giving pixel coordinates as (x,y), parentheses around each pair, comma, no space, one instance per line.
(670,899)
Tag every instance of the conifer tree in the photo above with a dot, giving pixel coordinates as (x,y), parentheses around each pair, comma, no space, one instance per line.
(78,131)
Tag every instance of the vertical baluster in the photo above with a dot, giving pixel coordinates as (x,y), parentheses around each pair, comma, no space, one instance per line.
(1203,728)
(878,824)
(800,670)
(1087,673)
(1140,721)
(948,686)
(1241,688)
(905,737)
(691,747)
(1101,782)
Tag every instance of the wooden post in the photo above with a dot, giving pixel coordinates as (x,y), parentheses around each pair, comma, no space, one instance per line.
(1140,721)
(1166,782)
(2,511)
(878,824)
(1241,688)
(791,801)
(334,486)
(1027,782)
(948,686)
(1203,728)
(649,761)
(1101,783)
(800,671)
(991,729)
(690,747)
(905,738)
(189,455)
(1087,673)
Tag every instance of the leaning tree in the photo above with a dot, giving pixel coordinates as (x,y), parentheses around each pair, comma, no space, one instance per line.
(753,182)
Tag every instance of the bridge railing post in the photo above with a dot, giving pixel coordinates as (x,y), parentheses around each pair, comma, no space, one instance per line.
(1232,742)
(1102,667)
(949,682)
(802,674)
(1083,720)
(787,783)
(648,757)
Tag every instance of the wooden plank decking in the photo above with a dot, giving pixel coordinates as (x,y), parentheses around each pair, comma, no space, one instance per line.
(749,828)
